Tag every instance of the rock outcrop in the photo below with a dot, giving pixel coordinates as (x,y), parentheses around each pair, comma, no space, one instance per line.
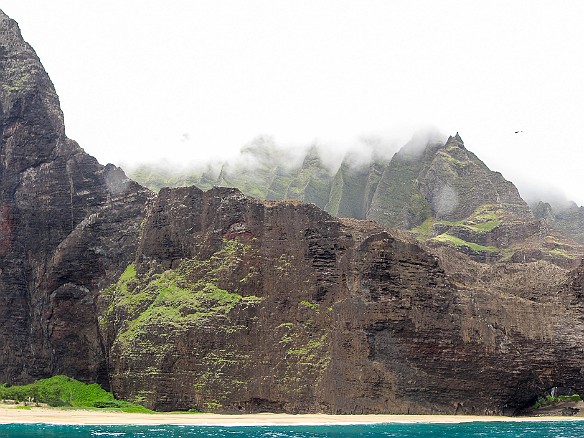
(67,224)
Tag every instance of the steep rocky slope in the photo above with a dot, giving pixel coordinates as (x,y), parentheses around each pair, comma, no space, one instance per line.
(221,302)
(353,188)
(443,181)
(66,226)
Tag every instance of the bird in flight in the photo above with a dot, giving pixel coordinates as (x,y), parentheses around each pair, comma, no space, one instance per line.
(517,132)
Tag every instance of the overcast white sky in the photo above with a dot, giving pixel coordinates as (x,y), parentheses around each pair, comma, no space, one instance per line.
(187,79)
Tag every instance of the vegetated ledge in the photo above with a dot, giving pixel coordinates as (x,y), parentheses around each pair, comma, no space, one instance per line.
(457,242)
(472,235)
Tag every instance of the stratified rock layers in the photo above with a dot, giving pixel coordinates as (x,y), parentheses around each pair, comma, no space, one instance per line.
(238,305)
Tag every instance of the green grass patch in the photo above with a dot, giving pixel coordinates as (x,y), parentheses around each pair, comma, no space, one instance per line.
(483,220)
(562,253)
(457,242)
(63,391)
(485,227)
(308,305)
(176,300)
(424,231)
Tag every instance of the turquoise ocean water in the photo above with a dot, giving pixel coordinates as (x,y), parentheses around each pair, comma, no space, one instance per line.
(564,429)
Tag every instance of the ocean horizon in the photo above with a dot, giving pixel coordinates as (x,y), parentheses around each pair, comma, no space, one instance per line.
(554,429)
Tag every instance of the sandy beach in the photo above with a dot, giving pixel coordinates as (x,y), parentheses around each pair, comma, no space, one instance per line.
(68,416)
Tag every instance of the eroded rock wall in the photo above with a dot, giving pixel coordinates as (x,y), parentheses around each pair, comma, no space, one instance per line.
(238,305)
(66,226)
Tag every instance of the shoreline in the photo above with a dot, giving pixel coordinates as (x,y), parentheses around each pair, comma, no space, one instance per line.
(89,418)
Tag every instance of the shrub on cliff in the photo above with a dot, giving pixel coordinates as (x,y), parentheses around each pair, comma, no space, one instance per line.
(550,400)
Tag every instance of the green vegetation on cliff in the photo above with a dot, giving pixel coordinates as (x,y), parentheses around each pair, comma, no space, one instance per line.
(153,317)
(562,253)
(63,391)
(176,299)
(550,400)
(424,230)
(305,353)
(458,242)
(397,201)
(484,219)
(312,182)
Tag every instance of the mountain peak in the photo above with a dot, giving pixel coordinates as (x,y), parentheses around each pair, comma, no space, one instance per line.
(455,141)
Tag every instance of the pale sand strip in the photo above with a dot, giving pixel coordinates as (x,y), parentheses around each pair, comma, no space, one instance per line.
(62,416)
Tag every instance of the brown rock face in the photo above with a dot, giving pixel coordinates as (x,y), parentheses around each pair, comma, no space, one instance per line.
(66,225)
(239,305)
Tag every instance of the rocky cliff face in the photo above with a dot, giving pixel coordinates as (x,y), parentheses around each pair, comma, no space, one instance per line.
(237,305)
(216,301)
(569,219)
(66,226)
